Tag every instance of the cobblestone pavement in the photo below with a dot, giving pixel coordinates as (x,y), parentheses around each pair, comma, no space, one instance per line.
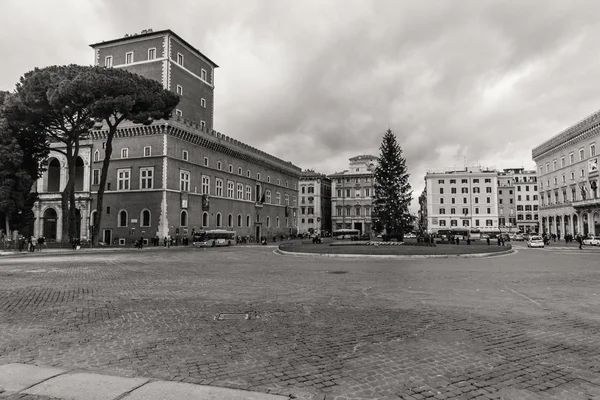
(522,326)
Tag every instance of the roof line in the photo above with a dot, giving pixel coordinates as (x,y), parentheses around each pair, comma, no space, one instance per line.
(147,34)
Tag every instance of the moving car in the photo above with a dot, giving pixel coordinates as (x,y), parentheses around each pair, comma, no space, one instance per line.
(591,241)
(535,241)
(519,237)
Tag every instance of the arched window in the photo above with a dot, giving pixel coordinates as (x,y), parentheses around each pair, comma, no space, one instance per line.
(183,218)
(239,224)
(277,222)
(54,175)
(218,220)
(230,221)
(79,174)
(145,218)
(268,222)
(287,224)
(122,218)
(268,196)
(248,221)
(205,219)
(96,156)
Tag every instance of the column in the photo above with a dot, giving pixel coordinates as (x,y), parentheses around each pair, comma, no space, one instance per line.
(59,212)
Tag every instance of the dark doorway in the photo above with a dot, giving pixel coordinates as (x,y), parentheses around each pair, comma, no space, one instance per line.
(107,236)
(50,224)
(359,226)
(77,223)
(257,233)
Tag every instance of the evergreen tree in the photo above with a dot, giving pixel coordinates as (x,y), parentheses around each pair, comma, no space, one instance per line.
(393,193)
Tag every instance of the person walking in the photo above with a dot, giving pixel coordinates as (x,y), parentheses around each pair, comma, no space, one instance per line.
(488,240)
(580,240)
(33,242)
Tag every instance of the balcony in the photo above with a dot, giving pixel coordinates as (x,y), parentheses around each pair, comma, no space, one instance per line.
(595,202)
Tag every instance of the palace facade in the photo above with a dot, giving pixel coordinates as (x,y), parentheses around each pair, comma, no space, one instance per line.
(175,176)
(567,169)
(315,203)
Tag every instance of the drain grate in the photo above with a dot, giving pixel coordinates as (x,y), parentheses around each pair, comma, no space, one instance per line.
(337,272)
(232,316)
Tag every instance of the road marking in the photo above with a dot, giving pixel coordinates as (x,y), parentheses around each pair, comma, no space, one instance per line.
(525,297)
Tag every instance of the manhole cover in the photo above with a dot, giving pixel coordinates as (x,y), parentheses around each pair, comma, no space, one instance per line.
(234,316)
(338,272)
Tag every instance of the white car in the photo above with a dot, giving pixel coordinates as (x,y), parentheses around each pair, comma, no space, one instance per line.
(535,241)
(591,241)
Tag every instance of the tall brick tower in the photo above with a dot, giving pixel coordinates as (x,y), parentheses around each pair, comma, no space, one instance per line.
(165,57)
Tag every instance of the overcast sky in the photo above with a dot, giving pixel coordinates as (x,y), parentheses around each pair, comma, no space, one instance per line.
(318,82)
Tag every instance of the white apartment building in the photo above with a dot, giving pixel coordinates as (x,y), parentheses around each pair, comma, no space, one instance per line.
(567,168)
(518,203)
(465,198)
(352,195)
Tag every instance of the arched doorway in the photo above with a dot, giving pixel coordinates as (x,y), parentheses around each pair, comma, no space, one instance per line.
(79,175)
(596,223)
(575,224)
(50,224)
(54,175)
(584,221)
(566,225)
(558,226)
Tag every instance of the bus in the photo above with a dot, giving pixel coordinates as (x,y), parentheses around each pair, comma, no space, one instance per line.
(217,237)
(461,233)
(345,233)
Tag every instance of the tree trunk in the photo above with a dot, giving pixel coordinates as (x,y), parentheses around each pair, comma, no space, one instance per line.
(103,179)
(7,223)
(72,205)
(65,195)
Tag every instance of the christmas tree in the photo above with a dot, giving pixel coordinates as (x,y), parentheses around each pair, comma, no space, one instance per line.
(393,193)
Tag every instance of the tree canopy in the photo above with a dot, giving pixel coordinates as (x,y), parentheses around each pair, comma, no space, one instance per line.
(393,192)
(61,104)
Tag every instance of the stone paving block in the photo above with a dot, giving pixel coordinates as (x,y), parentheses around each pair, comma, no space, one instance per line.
(16,377)
(179,391)
(85,386)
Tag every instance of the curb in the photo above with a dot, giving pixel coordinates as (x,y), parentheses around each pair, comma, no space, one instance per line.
(393,256)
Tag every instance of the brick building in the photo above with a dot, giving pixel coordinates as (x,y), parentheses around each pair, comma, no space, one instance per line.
(352,195)
(315,203)
(173,176)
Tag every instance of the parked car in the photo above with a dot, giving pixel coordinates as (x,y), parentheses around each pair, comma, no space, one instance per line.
(410,235)
(519,237)
(592,241)
(535,241)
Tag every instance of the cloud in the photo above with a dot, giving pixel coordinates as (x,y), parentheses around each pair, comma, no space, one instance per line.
(318,82)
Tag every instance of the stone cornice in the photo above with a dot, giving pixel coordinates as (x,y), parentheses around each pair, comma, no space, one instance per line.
(209,139)
(574,134)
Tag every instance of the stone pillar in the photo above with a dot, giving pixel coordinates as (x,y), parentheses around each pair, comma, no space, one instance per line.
(59,212)
(64,175)
(85,223)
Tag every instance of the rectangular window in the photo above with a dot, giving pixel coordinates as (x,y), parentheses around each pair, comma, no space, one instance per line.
(464,181)
(240,191)
(442,222)
(453,211)
(231,190)
(452,181)
(125,153)
(96,177)
(147,151)
(180,59)
(184,155)
(180,90)
(554,165)
(581,154)
(441,200)
(442,211)
(488,180)
(108,61)
(452,190)
(219,187)
(367,192)
(441,190)
(152,53)
(592,150)
(205,184)
(179,113)
(440,181)
(123,176)
(146,177)
(248,192)
(203,103)
(203,75)
(129,57)
(206,161)
(562,162)
(488,190)
(571,159)
(184,180)
(475,180)
(202,124)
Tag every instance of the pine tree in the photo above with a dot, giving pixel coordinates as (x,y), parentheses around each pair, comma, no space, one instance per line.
(393,193)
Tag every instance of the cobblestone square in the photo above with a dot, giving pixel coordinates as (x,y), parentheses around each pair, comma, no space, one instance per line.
(521,326)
